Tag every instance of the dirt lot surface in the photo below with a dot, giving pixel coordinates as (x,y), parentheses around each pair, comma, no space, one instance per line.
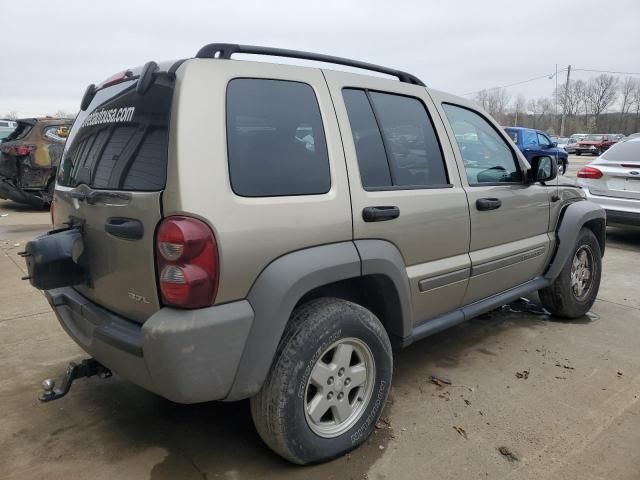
(530,398)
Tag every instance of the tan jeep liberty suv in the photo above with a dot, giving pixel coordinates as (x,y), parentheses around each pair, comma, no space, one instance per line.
(229,229)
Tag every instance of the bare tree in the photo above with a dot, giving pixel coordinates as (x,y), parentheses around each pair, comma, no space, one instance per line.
(572,98)
(494,101)
(538,109)
(626,94)
(602,92)
(64,114)
(519,106)
(12,115)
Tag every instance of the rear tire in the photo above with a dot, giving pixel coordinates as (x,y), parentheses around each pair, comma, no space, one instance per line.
(335,357)
(572,294)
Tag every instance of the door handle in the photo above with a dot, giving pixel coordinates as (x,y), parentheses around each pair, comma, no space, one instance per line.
(380,214)
(128,228)
(488,203)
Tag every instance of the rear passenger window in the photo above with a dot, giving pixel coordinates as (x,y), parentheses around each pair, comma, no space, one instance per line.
(395,141)
(275,138)
(486,155)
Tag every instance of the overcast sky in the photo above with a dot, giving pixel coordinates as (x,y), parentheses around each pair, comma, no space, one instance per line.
(52,50)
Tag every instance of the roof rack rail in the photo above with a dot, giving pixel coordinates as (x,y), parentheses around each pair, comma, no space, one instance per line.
(225,50)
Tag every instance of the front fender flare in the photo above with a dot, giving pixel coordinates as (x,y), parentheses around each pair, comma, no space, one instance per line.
(573,218)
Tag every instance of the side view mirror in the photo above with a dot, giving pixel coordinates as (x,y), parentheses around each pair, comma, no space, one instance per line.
(555,144)
(543,169)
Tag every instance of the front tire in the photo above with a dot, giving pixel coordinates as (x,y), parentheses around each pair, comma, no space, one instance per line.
(328,384)
(573,293)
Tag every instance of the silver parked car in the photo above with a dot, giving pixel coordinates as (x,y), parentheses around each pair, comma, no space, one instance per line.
(613,181)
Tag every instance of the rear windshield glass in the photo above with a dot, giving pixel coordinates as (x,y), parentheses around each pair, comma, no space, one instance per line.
(624,152)
(21,131)
(120,142)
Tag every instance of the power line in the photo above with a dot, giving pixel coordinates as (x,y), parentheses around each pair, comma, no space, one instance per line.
(606,71)
(550,75)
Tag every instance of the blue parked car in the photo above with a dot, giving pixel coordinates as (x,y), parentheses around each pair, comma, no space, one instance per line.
(534,143)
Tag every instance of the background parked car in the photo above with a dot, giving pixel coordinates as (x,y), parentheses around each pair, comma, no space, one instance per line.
(570,145)
(535,143)
(29,159)
(613,182)
(595,144)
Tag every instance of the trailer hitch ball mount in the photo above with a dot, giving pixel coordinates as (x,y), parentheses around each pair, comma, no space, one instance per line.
(87,368)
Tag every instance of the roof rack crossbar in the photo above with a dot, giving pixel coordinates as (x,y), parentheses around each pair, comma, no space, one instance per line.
(225,50)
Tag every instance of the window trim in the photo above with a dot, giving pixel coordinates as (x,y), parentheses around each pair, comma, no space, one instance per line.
(545,136)
(384,142)
(500,134)
(226,134)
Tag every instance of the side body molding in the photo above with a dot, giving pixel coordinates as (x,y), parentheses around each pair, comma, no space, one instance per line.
(573,218)
(274,295)
(380,257)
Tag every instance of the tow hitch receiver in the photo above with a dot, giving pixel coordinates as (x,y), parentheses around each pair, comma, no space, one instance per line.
(87,368)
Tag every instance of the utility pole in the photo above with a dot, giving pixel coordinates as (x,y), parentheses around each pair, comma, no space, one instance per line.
(564,104)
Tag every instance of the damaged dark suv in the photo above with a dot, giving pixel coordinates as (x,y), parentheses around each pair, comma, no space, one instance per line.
(29,159)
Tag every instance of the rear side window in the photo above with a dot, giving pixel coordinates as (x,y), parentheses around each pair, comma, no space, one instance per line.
(372,159)
(395,141)
(121,141)
(275,139)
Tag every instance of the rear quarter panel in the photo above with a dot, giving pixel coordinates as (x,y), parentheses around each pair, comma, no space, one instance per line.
(251,232)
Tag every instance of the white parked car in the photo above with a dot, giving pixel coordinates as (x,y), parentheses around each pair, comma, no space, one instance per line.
(613,182)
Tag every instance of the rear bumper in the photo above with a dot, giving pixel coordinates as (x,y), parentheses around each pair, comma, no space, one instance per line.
(10,192)
(620,211)
(187,356)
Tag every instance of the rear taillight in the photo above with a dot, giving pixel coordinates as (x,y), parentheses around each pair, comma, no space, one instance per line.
(188,266)
(589,172)
(18,150)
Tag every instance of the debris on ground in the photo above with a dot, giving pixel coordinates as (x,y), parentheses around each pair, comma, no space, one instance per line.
(558,364)
(508,454)
(441,382)
(619,374)
(481,413)
(4,214)
(561,378)
(467,401)
(523,374)
(381,447)
(383,422)
(461,431)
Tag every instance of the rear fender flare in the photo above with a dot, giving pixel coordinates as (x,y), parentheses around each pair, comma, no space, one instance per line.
(273,297)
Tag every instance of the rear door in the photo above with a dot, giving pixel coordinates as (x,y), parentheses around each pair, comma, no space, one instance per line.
(510,242)
(110,183)
(400,167)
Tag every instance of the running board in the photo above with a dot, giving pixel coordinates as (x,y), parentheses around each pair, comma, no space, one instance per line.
(472,310)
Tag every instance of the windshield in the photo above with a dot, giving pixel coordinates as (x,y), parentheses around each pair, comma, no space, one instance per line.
(593,138)
(121,141)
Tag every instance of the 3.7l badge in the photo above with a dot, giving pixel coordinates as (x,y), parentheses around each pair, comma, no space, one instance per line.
(138,298)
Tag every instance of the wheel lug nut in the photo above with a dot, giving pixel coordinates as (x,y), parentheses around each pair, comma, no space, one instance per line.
(347,381)
(329,395)
(340,395)
(341,372)
(330,381)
